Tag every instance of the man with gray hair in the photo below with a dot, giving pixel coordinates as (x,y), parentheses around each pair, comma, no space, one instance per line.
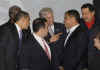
(56,33)
(48,14)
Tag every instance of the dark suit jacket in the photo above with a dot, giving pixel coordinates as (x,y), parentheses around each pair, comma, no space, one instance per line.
(75,52)
(95,64)
(33,56)
(83,25)
(97,9)
(58,28)
(9,41)
(58,45)
(91,34)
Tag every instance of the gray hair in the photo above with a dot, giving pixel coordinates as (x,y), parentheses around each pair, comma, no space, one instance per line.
(44,11)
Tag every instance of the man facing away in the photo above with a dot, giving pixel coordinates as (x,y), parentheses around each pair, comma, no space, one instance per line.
(10,40)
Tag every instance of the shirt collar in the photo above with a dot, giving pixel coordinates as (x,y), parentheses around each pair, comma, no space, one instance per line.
(73,28)
(52,26)
(38,38)
(18,28)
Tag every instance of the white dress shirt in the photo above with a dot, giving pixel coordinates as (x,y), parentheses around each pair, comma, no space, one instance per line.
(40,41)
(19,30)
(51,29)
(70,31)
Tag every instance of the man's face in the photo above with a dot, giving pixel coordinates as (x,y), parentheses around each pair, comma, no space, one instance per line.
(69,21)
(87,15)
(49,17)
(45,30)
(97,43)
(25,22)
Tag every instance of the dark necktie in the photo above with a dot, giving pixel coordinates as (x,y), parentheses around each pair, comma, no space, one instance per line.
(20,42)
(19,49)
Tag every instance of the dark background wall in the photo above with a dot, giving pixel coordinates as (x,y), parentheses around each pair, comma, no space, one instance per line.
(97,7)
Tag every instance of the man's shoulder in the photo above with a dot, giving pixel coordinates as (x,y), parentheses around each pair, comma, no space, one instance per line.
(6,25)
(30,39)
(79,31)
(59,25)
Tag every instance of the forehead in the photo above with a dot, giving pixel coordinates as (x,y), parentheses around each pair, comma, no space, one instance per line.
(85,10)
(26,17)
(48,14)
(68,16)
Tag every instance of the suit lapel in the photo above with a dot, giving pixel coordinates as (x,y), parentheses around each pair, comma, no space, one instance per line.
(55,28)
(73,34)
(36,44)
(15,33)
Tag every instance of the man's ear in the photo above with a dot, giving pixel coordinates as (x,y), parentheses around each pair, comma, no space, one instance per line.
(93,13)
(41,30)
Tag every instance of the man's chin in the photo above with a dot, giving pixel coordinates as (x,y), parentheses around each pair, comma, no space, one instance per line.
(25,28)
(87,20)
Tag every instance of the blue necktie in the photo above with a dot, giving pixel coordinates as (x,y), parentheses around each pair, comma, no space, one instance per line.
(20,42)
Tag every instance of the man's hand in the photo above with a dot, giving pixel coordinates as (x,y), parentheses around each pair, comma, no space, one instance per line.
(61,68)
(97,43)
(55,37)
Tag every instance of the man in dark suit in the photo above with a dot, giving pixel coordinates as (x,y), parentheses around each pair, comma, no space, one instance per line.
(95,64)
(37,54)
(56,32)
(76,43)
(91,22)
(10,40)
(12,13)
(96,4)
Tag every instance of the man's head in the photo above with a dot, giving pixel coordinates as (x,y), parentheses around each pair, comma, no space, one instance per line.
(71,18)
(13,11)
(48,14)
(40,27)
(22,19)
(97,40)
(88,12)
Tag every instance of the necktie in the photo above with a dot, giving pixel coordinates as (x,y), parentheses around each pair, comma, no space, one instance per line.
(20,41)
(19,48)
(46,50)
(20,34)
(68,34)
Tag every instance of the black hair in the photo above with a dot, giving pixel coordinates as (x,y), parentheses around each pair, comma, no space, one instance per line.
(38,23)
(74,13)
(89,6)
(21,14)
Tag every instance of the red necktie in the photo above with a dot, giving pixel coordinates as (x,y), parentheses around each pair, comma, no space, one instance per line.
(46,49)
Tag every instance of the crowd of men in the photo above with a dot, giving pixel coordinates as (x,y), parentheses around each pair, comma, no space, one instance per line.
(74,45)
